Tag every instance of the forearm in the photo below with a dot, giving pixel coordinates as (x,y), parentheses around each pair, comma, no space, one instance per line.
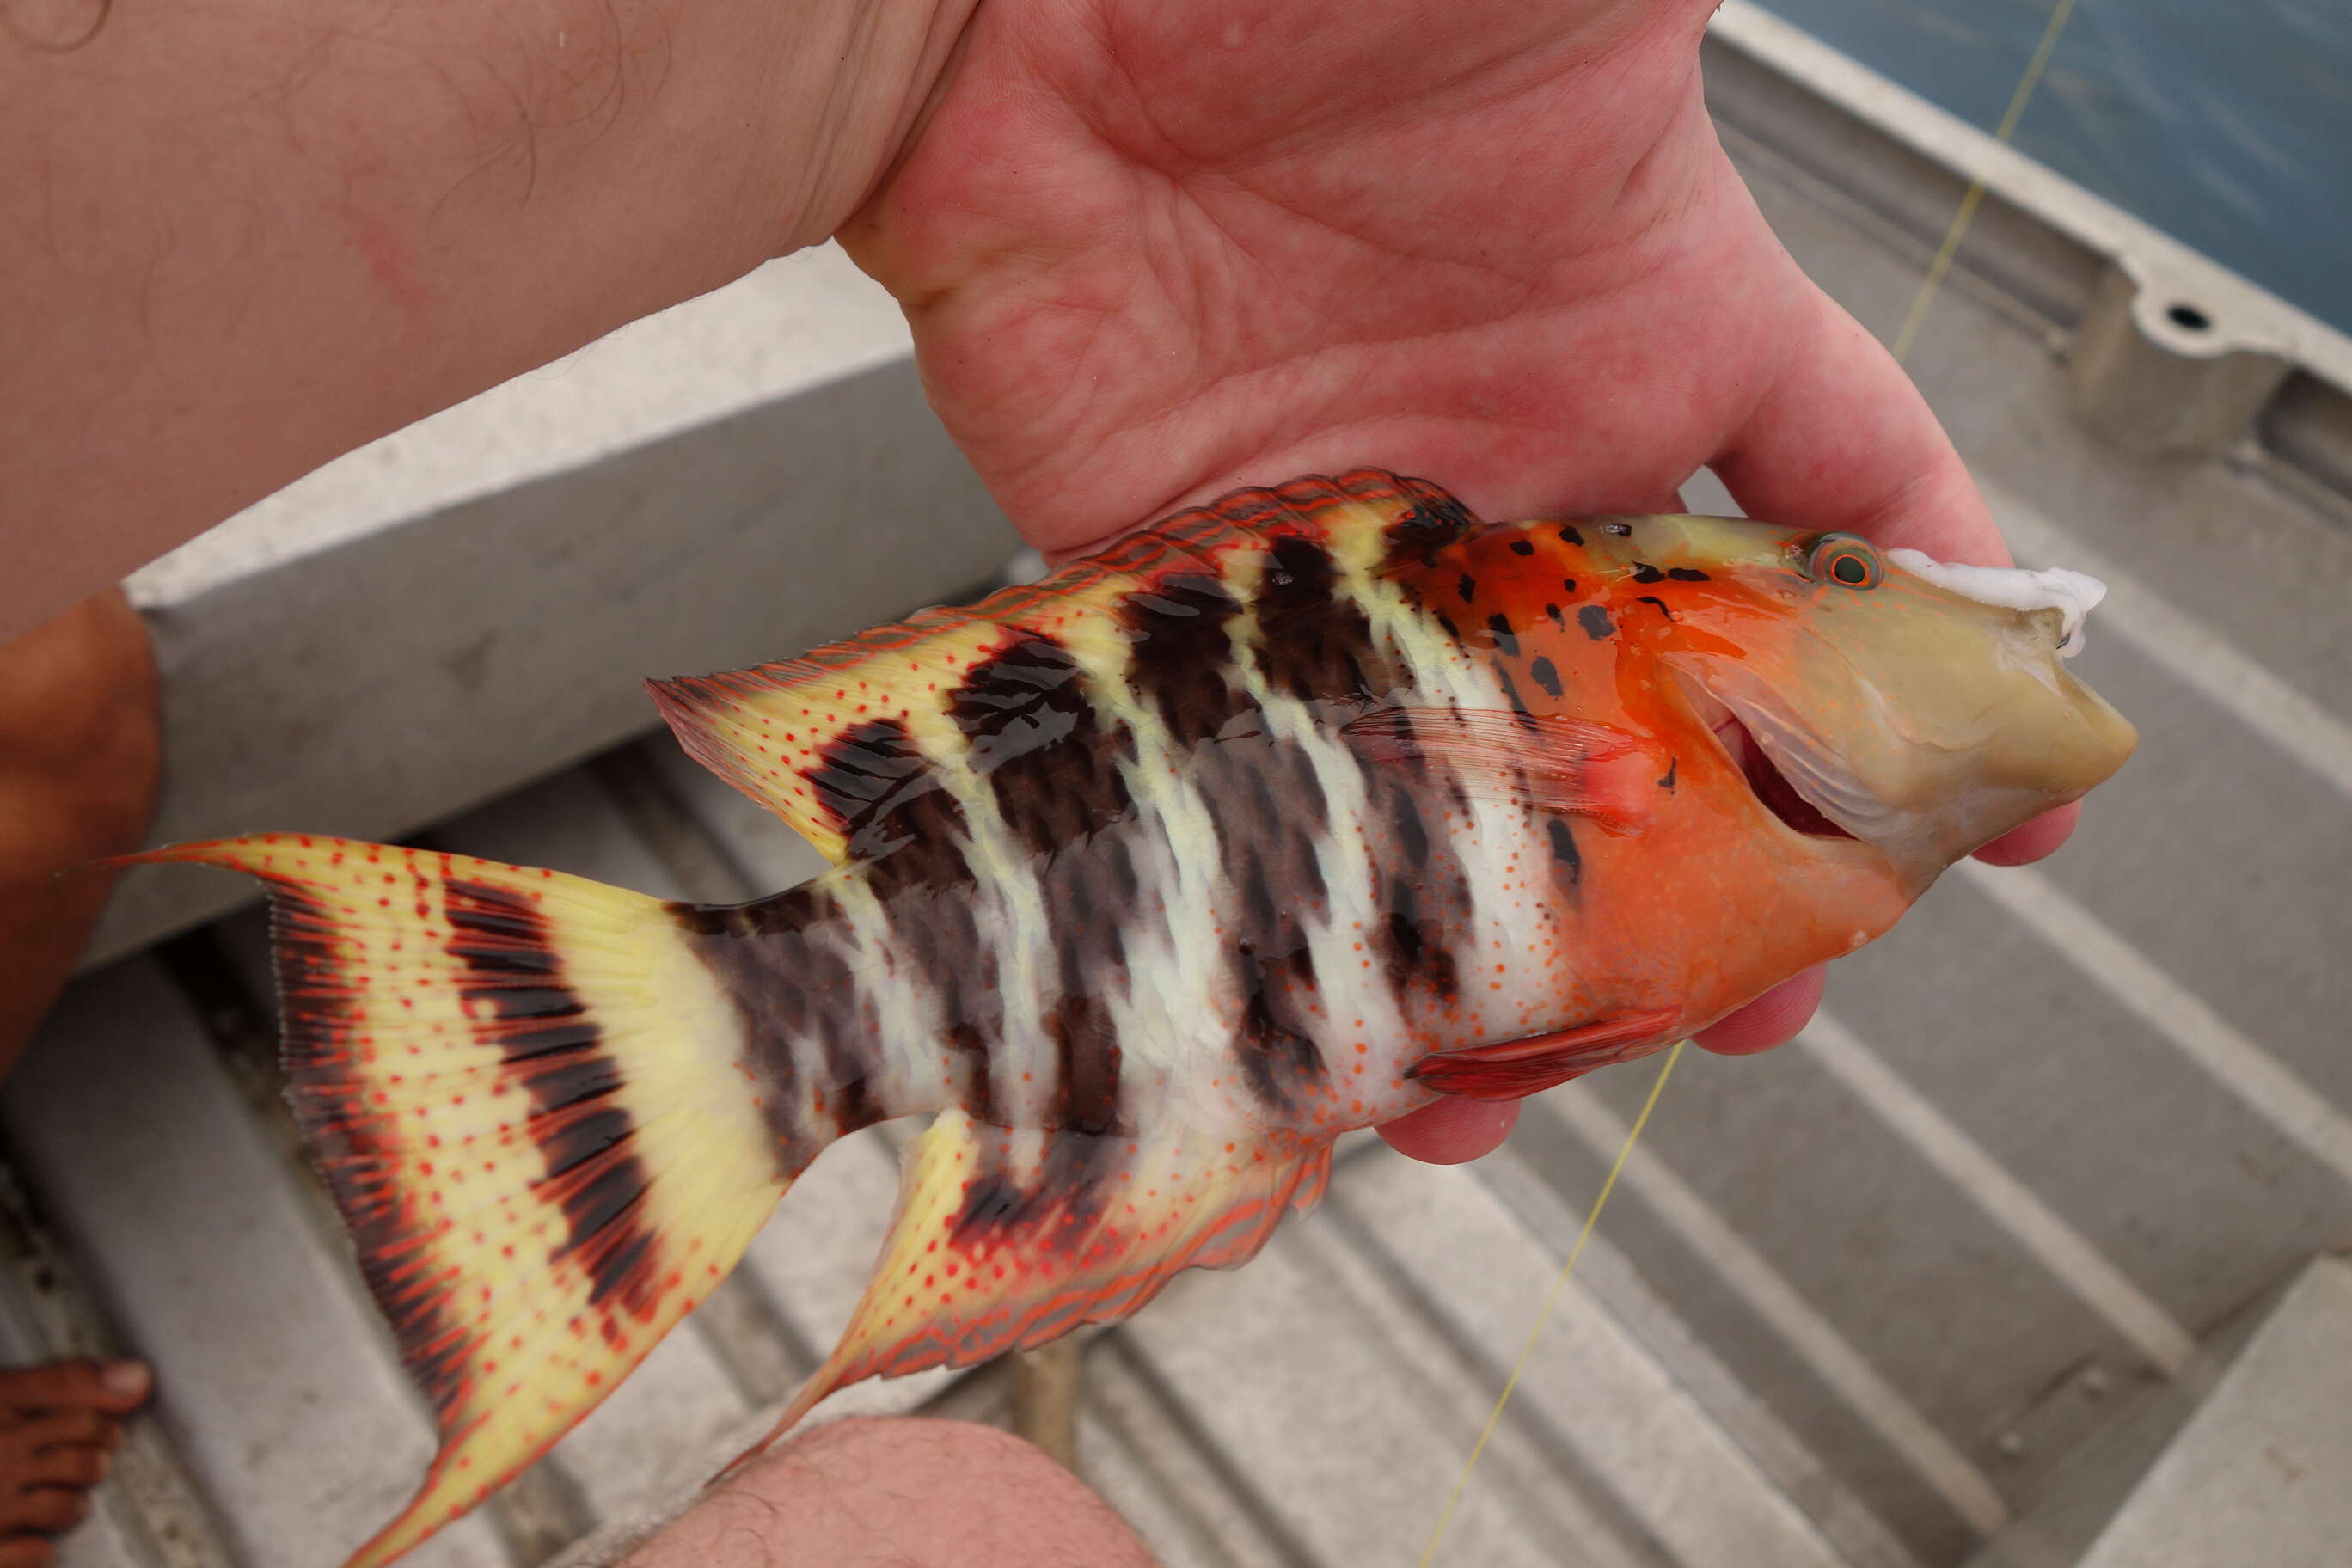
(236,241)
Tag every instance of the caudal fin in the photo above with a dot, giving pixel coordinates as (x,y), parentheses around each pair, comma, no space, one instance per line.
(526,1093)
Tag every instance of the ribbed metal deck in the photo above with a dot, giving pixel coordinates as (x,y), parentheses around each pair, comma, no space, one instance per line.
(1856,1302)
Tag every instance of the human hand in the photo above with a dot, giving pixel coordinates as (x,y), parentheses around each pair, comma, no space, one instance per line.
(1150,253)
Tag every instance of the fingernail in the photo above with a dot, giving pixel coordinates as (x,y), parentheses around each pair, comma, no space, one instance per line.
(123,1379)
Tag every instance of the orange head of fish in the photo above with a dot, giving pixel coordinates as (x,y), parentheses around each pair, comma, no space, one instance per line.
(1885,713)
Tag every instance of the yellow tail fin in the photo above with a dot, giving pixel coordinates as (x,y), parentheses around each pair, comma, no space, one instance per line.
(528,1098)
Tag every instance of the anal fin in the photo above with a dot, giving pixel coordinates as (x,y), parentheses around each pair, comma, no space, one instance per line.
(1004,1240)
(1514,1069)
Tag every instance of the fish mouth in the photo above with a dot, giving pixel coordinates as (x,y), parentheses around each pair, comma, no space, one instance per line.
(1772,788)
(1769,785)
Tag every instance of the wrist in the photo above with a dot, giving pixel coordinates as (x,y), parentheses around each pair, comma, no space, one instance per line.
(852,87)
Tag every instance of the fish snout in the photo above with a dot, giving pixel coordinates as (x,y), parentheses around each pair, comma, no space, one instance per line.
(2071,595)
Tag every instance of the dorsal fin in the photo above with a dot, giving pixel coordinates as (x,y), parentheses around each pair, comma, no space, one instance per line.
(826,739)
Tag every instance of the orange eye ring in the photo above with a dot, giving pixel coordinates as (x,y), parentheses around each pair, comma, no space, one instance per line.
(1847,558)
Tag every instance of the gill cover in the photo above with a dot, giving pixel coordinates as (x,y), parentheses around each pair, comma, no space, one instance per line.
(1923,708)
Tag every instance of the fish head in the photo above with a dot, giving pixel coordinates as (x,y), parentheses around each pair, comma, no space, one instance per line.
(1918,707)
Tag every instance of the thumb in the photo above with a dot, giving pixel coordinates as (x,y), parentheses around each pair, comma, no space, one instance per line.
(1841,440)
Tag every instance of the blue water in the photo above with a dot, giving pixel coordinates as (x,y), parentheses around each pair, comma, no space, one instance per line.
(2227,123)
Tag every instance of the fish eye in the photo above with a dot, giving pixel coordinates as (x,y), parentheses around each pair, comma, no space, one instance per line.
(1847,558)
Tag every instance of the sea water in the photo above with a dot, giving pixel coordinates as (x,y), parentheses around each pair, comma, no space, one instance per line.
(2227,123)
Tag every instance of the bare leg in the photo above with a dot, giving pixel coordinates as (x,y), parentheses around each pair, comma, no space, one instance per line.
(906,1493)
(78,771)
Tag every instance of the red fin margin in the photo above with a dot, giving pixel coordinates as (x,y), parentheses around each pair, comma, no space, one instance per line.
(1516,1068)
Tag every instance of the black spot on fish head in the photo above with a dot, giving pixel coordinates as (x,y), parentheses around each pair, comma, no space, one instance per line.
(1595,621)
(1522,547)
(1687,574)
(1568,534)
(1645,572)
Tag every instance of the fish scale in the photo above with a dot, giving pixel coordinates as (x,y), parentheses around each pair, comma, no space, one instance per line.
(1271,821)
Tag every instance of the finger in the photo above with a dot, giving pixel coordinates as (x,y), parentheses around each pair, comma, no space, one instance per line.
(2021,846)
(1452,1130)
(1843,440)
(75,1465)
(27,1552)
(1773,1018)
(116,1385)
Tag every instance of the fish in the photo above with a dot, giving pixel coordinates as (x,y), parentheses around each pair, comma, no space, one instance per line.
(1280,817)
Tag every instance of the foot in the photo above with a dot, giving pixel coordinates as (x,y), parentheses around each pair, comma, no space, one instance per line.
(59,1426)
(78,773)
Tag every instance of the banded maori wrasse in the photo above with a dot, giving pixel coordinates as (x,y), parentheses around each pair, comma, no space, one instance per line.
(1273,820)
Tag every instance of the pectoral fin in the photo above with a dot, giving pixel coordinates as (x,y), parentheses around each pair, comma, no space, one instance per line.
(1003,1241)
(1553,762)
(1516,1068)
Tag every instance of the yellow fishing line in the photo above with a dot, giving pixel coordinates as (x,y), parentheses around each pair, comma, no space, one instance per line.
(1559,1284)
(1961,218)
(1968,209)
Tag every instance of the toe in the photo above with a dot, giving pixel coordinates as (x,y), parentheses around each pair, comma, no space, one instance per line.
(95,1429)
(74,1466)
(57,1428)
(46,1509)
(57,1385)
